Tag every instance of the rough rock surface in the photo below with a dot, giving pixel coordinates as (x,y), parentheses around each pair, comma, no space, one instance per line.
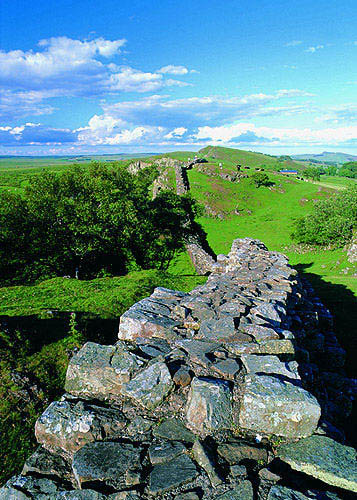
(198,394)
(323,458)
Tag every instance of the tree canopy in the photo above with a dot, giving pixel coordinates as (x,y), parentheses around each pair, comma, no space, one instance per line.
(331,222)
(93,221)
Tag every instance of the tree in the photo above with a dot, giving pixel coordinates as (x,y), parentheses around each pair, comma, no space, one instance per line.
(311,173)
(349,170)
(89,220)
(331,170)
(259,179)
(331,222)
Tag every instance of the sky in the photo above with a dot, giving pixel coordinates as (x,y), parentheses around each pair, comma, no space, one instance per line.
(109,76)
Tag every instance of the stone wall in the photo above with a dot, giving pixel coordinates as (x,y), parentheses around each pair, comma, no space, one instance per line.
(235,390)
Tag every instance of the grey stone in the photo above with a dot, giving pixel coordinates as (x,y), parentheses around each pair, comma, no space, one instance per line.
(236,452)
(336,465)
(34,487)
(270,365)
(164,477)
(153,347)
(47,464)
(165,451)
(273,406)
(244,491)
(282,346)
(204,458)
(12,494)
(66,426)
(217,330)
(227,368)
(147,319)
(238,470)
(182,377)
(106,462)
(283,493)
(174,430)
(151,386)
(209,406)
(79,495)
(99,372)
(198,350)
(188,495)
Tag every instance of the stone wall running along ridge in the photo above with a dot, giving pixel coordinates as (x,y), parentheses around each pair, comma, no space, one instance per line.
(233,391)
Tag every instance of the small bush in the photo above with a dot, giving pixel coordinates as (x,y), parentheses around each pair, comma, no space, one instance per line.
(259,179)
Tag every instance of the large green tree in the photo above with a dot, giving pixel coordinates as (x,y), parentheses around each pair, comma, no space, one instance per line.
(331,222)
(90,220)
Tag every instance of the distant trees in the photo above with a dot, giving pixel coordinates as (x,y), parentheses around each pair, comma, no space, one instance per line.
(95,220)
(331,222)
(331,170)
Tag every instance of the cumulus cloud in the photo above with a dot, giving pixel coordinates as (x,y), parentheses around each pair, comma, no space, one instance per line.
(62,66)
(36,134)
(281,136)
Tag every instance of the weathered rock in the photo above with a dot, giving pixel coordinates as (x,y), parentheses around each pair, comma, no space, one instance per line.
(33,487)
(182,377)
(270,365)
(204,458)
(79,495)
(282,346)
(107,462)
(238,451)
(12,494)
(199,351)
(227,368)
(209,406)
(324,459)
(273,406)
(283,493)
(66,426)
(217,330)
(46,463)
(244,491)
(152,347)
(165,451)
(99,372)
(174,430)
(146,319)
(149,387)
(164,477)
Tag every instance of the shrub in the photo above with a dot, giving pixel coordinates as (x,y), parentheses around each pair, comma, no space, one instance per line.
(259,179)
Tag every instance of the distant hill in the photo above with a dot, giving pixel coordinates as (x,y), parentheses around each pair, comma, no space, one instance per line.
(252,159)
(326,157)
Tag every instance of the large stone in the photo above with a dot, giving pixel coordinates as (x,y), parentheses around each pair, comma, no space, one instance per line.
(12,494)
(99,372)
(217,330)
(47,464)
(66,426)
(236,452)
(324,459)
(244,491)
(172,474)
(151,386)
(270,365)
(147,318)
(204,458)
(274,406)
(209,406)
(165,451)
(109,463)
(40,488)
(271,346)
(174,430)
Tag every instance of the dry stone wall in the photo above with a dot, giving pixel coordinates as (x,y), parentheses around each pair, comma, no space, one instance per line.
(235,390)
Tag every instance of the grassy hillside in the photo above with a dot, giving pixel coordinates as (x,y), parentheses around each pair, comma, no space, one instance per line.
(231,157)
(327,156)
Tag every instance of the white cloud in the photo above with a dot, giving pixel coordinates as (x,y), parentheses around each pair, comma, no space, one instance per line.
(66,67)
(315,48)
(36,134)
(293,43)
(174,70)
(176,132)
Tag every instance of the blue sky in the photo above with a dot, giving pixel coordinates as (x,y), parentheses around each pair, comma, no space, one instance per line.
(277,76)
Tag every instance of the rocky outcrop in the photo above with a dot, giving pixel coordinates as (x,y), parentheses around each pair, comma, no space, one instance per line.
(206,395)
(352,250)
